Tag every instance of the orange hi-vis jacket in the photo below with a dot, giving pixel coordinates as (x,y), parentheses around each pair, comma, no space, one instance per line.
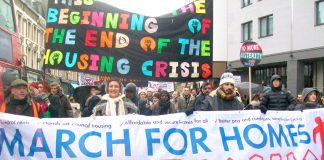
(36,108)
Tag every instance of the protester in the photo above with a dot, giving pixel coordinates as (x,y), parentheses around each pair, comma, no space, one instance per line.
(142,94)
(194,92)
(131,100)
(190,100)
(204,101)
(75,108)
(255,103)
(40,87)
(130,93)
(113,102)
(33,89)
(163,106)
(178,102)
(322,100)
(299,99)
(39,96)
(149,93)
(226,98)
(310,99)
(19,102)
(156,97)
(60,106)
(91,102)
(277,99)
(144,104)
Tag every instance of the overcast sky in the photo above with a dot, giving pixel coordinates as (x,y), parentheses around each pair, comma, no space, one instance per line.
(151,8)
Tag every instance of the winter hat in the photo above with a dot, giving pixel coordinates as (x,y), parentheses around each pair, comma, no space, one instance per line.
(34,84)
(130,87)
(227,77)
(150,90)
(141,91)
(18,82)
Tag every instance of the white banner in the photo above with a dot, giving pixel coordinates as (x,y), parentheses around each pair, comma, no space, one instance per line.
(168,86)
(226,135)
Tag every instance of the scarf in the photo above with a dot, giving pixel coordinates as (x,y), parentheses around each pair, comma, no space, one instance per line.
(19,102)
(221,94)
(114,106)
(164,107)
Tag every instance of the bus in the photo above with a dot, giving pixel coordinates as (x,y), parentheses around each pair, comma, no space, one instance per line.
(11,60)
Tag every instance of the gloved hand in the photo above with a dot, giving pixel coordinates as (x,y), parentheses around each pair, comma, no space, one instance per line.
(263,110)
(45,99)
(189,111)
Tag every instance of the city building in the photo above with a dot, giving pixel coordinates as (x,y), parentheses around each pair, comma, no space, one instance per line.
(31,21)
(289,32)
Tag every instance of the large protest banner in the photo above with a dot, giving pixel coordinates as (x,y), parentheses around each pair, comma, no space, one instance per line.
(232,135)
(96,38)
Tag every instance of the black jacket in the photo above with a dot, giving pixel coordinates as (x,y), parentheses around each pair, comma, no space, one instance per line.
(204,103)
(226,105)
(144,108)
(22,107)
(60,106)
(162,108)
(277,99)
(93,101)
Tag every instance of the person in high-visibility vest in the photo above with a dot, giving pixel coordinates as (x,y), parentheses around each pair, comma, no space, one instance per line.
(19,102)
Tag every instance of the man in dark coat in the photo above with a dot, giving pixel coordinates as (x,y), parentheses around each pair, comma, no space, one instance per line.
(131,97)
(277,99)
(19,102)
(226,97)
(60,106)
(204,102)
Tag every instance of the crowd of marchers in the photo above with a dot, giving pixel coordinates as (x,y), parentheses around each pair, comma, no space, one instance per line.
(32,100)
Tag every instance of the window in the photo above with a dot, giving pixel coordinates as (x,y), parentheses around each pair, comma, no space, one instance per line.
(246,3)
(265,74)
(5,46)
(320,12)
(19,22)
(29,29)
(24,30)
(6,15)
(247,31)
(266,26)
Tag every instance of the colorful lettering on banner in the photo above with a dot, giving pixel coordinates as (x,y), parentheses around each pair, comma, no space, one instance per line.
(230,135)
(95,38)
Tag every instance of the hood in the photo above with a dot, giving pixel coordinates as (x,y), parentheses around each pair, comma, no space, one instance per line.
(131,87)
(306,91)
(274,77)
